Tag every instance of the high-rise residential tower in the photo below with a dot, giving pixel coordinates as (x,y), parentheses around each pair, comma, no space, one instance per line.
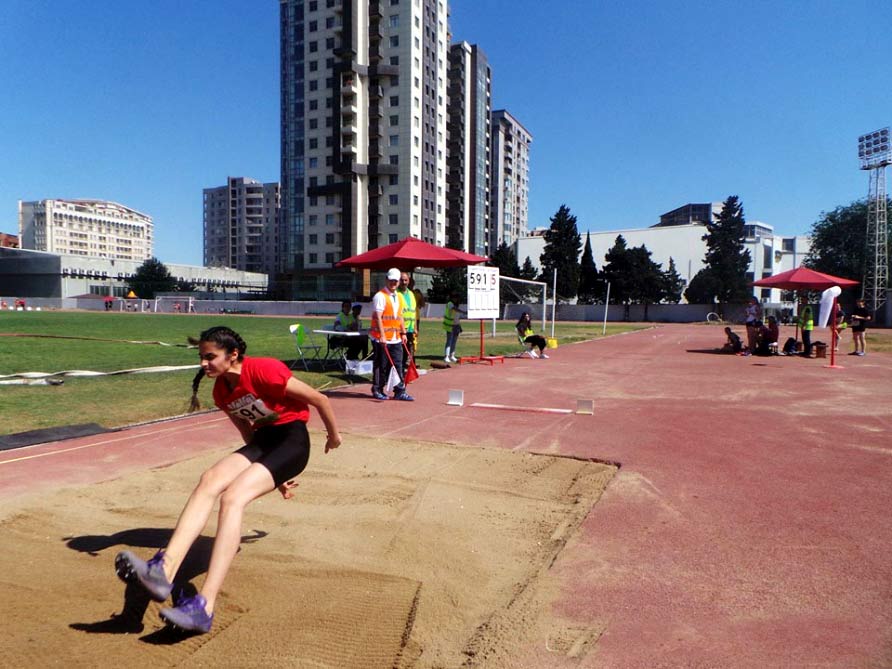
(470,107)
(363,115)
(510,183)
(240,225)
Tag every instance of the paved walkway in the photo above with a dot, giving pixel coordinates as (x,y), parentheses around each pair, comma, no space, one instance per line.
(748,525)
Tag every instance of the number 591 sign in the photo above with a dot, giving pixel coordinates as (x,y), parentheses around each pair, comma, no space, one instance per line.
(483,292)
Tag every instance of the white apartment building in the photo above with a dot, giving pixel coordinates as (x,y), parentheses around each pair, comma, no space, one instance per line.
(363,127)
(89,228)
(510,182)
(240,221)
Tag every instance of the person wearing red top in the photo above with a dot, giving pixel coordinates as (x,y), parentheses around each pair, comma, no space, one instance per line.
(270,409)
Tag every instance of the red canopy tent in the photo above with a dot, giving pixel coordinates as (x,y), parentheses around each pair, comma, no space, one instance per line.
(803,278)
(410,253)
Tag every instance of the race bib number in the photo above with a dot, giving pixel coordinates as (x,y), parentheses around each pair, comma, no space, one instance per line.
(253,410)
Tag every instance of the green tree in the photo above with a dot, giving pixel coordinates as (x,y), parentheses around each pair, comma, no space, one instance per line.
(839,241)
(528,270)
(726,258)
(150,278)
(617,271)
(446,281)
(647,278)
(589,279)
(703,288)
(673,284)
(562,246)
(506,260)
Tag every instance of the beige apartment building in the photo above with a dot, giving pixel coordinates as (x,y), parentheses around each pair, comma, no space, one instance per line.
(87,228)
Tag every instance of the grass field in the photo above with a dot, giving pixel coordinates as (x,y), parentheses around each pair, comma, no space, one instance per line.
(74,340)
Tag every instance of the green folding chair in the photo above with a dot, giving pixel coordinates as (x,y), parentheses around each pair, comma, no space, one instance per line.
(304,344)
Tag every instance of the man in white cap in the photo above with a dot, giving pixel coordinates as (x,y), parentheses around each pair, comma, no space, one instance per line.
(388,335)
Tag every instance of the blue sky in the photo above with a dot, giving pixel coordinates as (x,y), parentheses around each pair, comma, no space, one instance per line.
(635,107)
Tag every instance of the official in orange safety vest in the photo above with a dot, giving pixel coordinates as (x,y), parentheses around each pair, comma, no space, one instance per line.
(388,336)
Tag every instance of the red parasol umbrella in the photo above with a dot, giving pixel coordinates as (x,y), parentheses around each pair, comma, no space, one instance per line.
(803,278)
(410,253)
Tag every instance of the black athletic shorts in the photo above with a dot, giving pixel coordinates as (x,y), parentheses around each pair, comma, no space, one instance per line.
(283,449)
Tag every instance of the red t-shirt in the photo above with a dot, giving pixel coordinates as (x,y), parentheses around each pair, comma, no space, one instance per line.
(259,397)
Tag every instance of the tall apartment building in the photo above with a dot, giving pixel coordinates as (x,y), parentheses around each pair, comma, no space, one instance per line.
(469,127)
(91,228)
(510,179)
(363,115)
(240,221)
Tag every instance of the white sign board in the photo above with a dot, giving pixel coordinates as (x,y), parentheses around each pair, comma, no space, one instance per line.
(483,292)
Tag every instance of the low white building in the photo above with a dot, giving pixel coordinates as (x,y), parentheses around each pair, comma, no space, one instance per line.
(87,228)
(770,254)
(25,273)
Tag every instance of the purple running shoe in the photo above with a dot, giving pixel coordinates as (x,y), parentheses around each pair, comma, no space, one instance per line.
(189,615)
(149,575)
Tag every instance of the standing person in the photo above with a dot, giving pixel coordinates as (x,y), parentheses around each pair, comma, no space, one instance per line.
(409,304)
(753,323)
(525,332)
(452,326)
(388,333)
(859,318)
(270,409)
(806,324)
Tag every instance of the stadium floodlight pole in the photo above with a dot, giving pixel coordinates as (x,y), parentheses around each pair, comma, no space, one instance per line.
(875,153)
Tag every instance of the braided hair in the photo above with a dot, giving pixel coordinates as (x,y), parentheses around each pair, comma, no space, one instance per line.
(227,339)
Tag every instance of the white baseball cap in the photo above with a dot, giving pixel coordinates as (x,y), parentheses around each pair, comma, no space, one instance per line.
(393,274)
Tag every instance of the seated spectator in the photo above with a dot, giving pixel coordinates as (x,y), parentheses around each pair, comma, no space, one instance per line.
(733,344)
(767,335)
(527,336)
(348,320)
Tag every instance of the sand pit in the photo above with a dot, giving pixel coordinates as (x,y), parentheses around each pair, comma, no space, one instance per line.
(391,555)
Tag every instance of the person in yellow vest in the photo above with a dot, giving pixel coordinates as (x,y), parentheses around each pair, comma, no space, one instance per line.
(806,324)
(410,317)
(388,334)
(452,327)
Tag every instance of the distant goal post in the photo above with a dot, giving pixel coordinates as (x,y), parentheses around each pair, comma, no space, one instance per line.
(523,291)
(170,304)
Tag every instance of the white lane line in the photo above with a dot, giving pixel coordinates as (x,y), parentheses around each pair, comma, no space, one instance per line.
(100,443)
(508,407)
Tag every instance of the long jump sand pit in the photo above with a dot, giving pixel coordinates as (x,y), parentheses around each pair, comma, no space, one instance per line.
(390,555)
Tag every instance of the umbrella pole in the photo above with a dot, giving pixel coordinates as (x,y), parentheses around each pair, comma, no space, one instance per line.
(834,335)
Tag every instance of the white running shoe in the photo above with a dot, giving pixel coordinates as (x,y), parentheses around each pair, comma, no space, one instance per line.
(533,354)
(543,355)
(453,359)
(447,359)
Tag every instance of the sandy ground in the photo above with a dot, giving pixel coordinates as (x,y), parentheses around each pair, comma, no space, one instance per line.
(391,555)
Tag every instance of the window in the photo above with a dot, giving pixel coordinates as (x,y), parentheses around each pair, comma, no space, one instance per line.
(329,238)
(393,238)
(314,239)
(314,65)
(314,105)
(329,219)
(394,120)
(313,219)
(313,26)
(394,140)
(394,40)
(394,160)
(313,47)
(329,258)
(313,259)
(394,20)
(394,179)
(393,198)
(314,162)
(393,219)
(330,43)
(394,60)
(394,100)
